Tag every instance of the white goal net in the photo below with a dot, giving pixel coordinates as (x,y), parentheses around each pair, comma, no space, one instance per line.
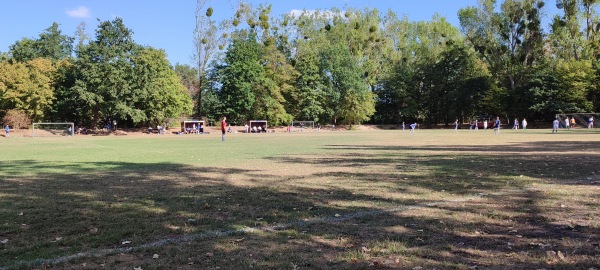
(52,129)
(301,125)
(582,120)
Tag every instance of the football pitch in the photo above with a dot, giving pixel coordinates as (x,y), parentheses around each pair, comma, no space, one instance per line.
(367,199)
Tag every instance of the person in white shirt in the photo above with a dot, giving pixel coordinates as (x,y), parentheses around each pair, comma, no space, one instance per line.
(555,125)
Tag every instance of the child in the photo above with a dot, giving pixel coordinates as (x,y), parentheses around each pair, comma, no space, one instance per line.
(412,127)
(456,126)
(555,124)
(497,126)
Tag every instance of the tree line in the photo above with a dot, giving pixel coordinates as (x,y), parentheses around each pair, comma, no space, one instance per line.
(332,67)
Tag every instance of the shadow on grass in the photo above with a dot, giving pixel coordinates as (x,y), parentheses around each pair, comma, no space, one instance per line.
(114,205)
(108,205)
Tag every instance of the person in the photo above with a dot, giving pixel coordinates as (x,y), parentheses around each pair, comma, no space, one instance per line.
(497,126)
(456,126)
(70,130)
(229,129)
(524,124)
(403,126)
(248,128)
(412,127)
(115,124)
(223,126)
(194,128)
(591,122)
(555,125)
(476,125)
(567,123)
(485,124)
(516,124)
(7,130)
(572,122)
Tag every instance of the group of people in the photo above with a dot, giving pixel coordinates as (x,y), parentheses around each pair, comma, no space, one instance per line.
(570,123)
(258,129)
(516,124)
(194,129)
(475,125)
(411,126)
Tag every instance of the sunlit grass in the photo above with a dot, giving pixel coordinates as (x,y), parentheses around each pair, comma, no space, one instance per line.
(458,200)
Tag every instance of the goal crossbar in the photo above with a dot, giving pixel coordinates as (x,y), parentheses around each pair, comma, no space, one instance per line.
(69,129)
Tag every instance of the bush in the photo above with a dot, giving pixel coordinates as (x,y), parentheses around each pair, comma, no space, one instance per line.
(16,119)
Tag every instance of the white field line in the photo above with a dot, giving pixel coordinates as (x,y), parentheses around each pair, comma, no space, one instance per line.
(217,234)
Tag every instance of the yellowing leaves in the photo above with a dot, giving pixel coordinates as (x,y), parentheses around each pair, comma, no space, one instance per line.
(28,86)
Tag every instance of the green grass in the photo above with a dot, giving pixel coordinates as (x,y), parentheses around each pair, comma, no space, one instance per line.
(339,200)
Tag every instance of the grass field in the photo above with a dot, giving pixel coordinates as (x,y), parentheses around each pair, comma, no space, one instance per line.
(314,200)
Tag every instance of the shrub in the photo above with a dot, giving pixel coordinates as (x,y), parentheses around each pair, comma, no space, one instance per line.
(16,119)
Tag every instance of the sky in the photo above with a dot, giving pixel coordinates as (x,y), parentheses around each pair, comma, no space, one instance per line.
(169,25)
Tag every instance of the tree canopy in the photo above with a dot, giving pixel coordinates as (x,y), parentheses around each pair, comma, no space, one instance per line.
(331,66)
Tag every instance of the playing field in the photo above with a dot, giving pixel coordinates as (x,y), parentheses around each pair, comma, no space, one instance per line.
(368,199)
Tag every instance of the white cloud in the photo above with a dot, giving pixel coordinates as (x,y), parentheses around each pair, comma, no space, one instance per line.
(79,12)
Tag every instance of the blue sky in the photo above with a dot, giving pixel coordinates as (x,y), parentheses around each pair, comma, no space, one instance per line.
(169,25)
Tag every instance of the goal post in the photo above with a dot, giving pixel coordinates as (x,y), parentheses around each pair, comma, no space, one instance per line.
(52,129)
(303,124)
(581,119)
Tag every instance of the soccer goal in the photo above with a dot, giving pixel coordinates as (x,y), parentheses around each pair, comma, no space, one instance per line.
(52,129)
(301,125)
(581,119)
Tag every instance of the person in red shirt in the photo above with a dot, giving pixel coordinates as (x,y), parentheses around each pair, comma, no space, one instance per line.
(223,126)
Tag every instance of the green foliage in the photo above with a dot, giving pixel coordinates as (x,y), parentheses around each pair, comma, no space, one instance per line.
(325,66)
(349,97)
(305,102)
(51,44)
(28,87)
(159,91)
(240,75)
(116,79)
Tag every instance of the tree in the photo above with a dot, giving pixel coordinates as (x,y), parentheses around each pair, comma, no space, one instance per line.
(278,80)
(51,44)
(240,74)
(23,50)
(509,41)
(158,91)
(350,98)
(189,78)
(305,101)
(28,87)
(105,74)
(457,84)
(209,38)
